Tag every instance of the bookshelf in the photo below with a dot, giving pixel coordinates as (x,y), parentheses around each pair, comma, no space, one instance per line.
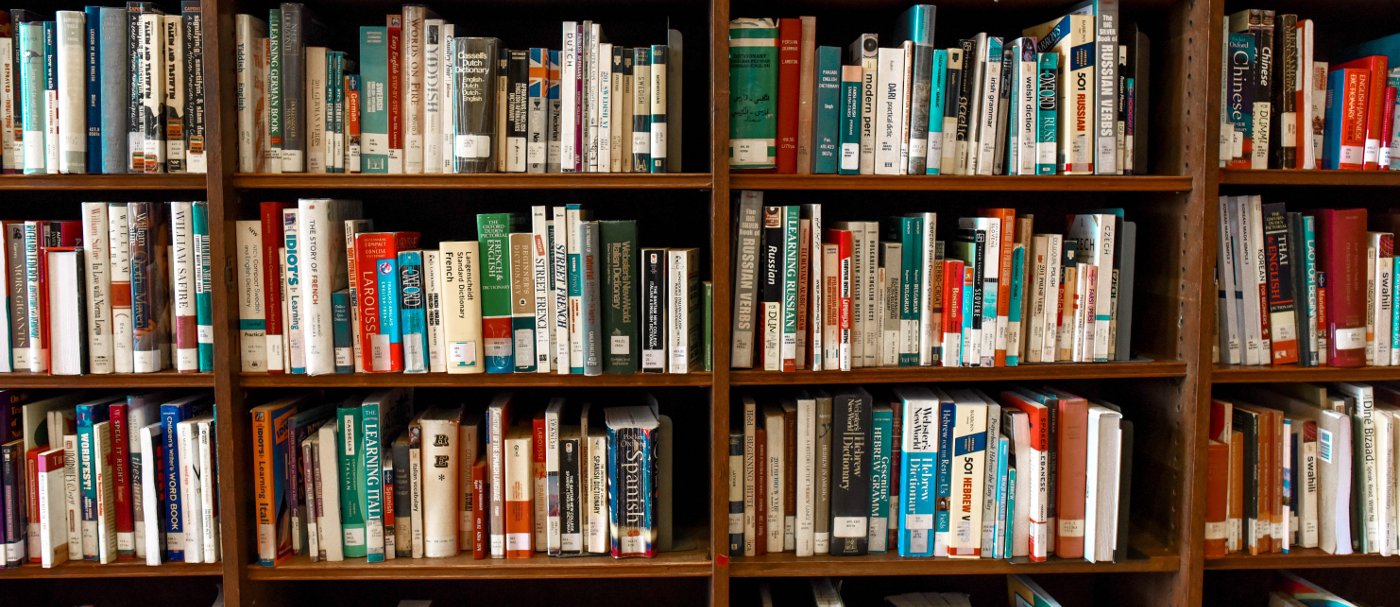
(1163,390)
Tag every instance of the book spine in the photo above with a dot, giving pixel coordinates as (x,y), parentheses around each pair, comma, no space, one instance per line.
(412,82)
(494,234)
(146,287)
(938,101)
(172,72)
(654,311)
(433,310)
(342,332)
(660,139)
(826,125)
(196,161)
(522,308)
(293,86)
(291,282)
(555,113)
(351,472)
(619,294)
(850,489)
(477,69)
(1047,114)
(70,77)
(30,96)
(462,307)
(789,284)
(388,289)
(92,89)
(537,111)
(516,109)
(412,311)
(171,499)
(186,275)
(11,148)
(203,288)
(373,99)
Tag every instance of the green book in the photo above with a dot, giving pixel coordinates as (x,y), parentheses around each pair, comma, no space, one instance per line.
(352,480)
(849,161)
(753,94)
(376,415)
(374,111)
(881,430)
(911,283)
(493,233)
(826,123)
(708,326)
(1013,319)
(621,296)
(791,244)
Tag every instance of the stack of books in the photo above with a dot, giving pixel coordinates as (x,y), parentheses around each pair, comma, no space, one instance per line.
(1068,96)
(1313,289)
(103,90)
(374,476)
(124,289)
(1283,108)
(321,292)
(109,478)
(426,100)
(993,294)
(1031,474)
(1303,465)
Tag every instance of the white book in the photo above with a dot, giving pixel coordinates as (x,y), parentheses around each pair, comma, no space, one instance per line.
(1038,267)
(1380,298)
(1307,501)
(540,264)
(1096,234)
(989,491)
(559,267)
(806,475)
(440,456)
(98,282)
(1053,276)
(907,100)
(292,261)
(71,499)
(445,88)
(53,527)
(1244,276)
(1385,480)
(984,130)
(553,532)
(1027,76)
(1101,483)
(461,322)
(893,329)
(968,477)
(187,442)
(413,48)
(12,151)
(320,239)
(520,482)
(252,322)
(682,317)
(773,505)
(315,58)
(182,284)
(433,47)
(593,87)
(1369,492)
(496,427)
(1307,112)
(415,487)
(65,316)
(106,524)
(1229,331)
(889,115)
(249,32)
(568,97)
(620,99)
(328,515)
(208,510)
(153,96)
(603,77)
(354,227)
(597,511)
(72,95)
(574,248)
(870,288)
(432,305)
(150,493)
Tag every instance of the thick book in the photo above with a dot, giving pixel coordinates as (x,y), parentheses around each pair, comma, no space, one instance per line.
(374,109)
(850,487)
(252,321)
(272,480)
(633,447)
(620,295)
(413,320)
(377,254)
(461,307)
(1341,236)
(493,233)
(475,68)
(150,320)
(321,240)
(748,238)
(754,94)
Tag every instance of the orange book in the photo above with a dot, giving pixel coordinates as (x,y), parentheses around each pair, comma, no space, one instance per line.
(1234,513)
(1007,218)
(1072,447)
(540,490)
(1217,498)
(270,481)
(520,482)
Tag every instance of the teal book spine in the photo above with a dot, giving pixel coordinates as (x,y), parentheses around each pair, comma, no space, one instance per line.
(274,85)
(791,219)
(849,163)
(386,272)
(31,94)
(910,285)
(1002,518)
(342,337)
(372,469)
(916,24)
(1047,114)
(413,320)
(374,106)
(1310,276)
(881,427)
(87,416)
(937,99)
(753,94)
(827,119)
(1013,315)
(1008,542)
(352,481)
(203,287)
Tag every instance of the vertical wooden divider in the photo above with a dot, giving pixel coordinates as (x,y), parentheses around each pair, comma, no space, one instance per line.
(720,275)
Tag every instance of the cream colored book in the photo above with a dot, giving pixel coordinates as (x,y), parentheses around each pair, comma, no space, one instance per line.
(461,307)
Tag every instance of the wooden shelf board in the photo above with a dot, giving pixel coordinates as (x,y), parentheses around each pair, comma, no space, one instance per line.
(889,564)
(164,379)
(1235,374)
(480,181)
(123,568)
(692,563)
(1301,558)
(483,380)
(1310,178)
(185,181)
(890,375)
(1046,183)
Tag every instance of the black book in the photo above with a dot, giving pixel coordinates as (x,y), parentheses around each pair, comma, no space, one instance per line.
(474,101)
(570,492)
(964,107)
(517,133)
(850,472)
(299,30)
(770,288)
(653,310)
(619,291)
(1247,422)
(1125,490)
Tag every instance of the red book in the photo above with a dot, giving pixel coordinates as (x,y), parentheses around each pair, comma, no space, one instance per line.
(1387,126)
(479,507)
(842,240)
(121,478)
(1039,537)
(369,248)
(950,329)
(31,489)
(271,215)
(1352,132)
(1341,240)
(789,75)
(395,91)
(1072,450)
(540,488)
(1375,65)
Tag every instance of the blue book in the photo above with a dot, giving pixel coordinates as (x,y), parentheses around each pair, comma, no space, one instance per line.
(916,24)
(1009,537)
(1001,530)
(1388,46)
(881,425)
(92,83)
(1013,317)
(826,123)
(341,335)
(31,95)
(918,471)
(374,112)
(203,286)
(172,510)
(387,273)
(1333,153)
(1310,278)
(947,412)
(87,415)
(1047,114)
(632,435)
(413,321)
(937,101)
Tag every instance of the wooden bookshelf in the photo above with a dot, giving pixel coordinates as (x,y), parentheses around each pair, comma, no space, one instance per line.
(482,181)
(444,380)
(116,569)
(960,183)
(1231,374)
(101,183)
(1321,179)
(1029,372)
(1302,558)
(114,381)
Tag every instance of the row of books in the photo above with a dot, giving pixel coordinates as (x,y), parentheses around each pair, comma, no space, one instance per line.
(1312,288)
(1283,108)
(426,100)
(377,477)
(1064,98)
(103,90)
(1034,473)
(124,289)
(109,478)
(1303,465)
(826,592)
(1014,296)
(321,292)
